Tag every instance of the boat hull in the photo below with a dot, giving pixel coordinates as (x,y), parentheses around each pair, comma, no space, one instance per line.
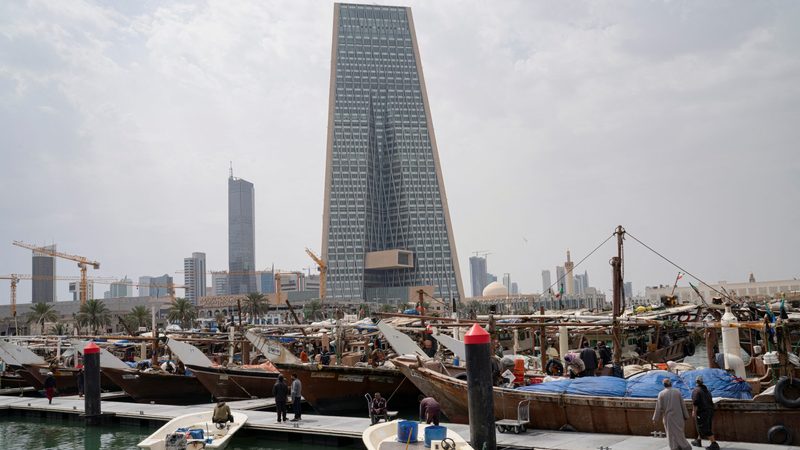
(159,387)
(341,389)
(734,420)
(235,384)
(66,378)
(12,380)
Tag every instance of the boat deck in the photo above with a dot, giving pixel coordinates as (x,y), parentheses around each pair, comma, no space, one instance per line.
(325,427)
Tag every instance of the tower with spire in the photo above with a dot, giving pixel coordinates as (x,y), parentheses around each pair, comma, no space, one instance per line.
(568,266)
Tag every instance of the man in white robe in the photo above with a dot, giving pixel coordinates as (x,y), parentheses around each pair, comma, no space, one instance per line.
(671,409)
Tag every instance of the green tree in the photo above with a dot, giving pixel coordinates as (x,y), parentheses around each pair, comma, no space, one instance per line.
(138,317)
(59,329)
(256,304)
(41,313)
(94,314)
(183,311)
(312,309)
(221,320)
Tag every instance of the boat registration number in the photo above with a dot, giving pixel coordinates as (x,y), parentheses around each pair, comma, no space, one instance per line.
(323,375)
(223,377)
(129,376)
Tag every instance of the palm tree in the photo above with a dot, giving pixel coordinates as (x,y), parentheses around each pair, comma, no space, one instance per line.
(94,314)
(182,310)
(312,308)
(255,304)
(59,329)
(138,317)
(41,313)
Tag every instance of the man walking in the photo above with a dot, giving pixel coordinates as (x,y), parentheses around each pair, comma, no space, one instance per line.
(50,387)
(297,392)
(703,413)
(281,393)
(672,411)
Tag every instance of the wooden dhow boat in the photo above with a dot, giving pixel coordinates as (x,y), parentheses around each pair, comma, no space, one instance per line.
(226,383)
(150,385)
(734,420)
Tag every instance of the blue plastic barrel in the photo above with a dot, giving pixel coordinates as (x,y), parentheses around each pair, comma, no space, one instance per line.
(406,431)
(434,433)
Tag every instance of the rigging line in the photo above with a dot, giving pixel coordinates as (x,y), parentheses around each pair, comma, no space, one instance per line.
(579,263)
(682,269)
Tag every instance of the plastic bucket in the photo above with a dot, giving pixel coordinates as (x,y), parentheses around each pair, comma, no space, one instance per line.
(434,433)
(406,431)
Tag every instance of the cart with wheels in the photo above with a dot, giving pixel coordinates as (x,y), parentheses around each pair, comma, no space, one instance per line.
(516,425)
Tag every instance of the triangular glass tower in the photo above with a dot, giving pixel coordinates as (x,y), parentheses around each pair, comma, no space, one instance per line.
(386,226)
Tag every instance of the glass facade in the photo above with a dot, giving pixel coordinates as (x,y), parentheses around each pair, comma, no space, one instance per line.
(241,237)
(383,181)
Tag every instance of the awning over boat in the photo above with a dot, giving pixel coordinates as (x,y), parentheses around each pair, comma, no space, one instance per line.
(400,342)
(107,360)
(21,354)
(188,353)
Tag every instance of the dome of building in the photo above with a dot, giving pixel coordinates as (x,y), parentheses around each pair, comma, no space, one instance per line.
(494,288)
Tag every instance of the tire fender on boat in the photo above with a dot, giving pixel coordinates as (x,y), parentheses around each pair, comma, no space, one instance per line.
(688,348)
(780,392)
(554,363)
(779,434)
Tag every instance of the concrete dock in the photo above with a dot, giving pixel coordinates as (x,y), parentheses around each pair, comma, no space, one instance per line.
(338,430)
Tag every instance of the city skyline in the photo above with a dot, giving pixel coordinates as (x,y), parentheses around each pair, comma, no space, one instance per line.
(570,96)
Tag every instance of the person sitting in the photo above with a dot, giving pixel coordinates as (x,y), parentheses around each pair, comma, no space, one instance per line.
(378,407)
(222,415)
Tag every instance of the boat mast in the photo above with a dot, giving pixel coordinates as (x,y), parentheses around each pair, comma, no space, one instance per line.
(618,285)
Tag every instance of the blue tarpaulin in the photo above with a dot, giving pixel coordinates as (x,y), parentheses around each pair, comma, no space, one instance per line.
(647,385)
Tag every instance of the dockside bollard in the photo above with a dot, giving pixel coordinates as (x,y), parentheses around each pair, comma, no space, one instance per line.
(479,388)
(91,383)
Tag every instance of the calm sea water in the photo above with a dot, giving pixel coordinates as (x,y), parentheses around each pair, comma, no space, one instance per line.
(18,433)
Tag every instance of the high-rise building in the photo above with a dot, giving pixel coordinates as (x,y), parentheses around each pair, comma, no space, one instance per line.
(561,280)
(75,290)
(121,288)
(241,236)
(580,284)
(628,289)
(386,223)
(219,282)
(44,272)
(266,281)
(194,276)
(546,283)
(507,281)
(155,286)
(477,274)
(514,288)
(570,283)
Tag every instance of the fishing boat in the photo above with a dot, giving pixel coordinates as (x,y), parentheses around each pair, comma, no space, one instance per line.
(226,383)
(194,431)
(734,420)
(383,436)
(341,389)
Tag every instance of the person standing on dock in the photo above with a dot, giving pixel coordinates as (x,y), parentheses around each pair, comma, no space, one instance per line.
(281,393)
(79,380)
(297,392)
(672,411)
(703,413)
(429,410)
(50,387)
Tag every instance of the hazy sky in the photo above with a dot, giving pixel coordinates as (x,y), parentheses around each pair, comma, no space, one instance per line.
(556,121)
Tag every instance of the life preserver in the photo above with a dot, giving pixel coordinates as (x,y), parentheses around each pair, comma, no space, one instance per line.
(554,364)
(780,392)
(777,432)
(688,348)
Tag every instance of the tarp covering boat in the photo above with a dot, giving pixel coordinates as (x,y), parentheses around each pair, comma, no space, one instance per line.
(648,385)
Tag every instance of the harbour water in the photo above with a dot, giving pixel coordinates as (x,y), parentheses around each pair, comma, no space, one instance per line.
(17,433)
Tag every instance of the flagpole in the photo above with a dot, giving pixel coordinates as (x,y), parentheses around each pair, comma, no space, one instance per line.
(676,284)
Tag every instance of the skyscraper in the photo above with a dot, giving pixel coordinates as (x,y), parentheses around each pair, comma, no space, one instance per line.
(477,274)
(219,281)
(561,280)
(546,281)
(386,224)
(75,290)
(194,276)
(628,290)
(241,236)
(570,282)
(44,272)
(155,286)
(121,288)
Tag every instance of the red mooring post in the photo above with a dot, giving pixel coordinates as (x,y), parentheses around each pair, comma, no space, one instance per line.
(91,383)
(480,388)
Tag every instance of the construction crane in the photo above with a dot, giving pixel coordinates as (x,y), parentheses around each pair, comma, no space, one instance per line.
(82,261)
(323,272)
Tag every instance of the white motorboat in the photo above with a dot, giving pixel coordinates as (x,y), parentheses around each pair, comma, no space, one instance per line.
(383,436)
(194,431)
